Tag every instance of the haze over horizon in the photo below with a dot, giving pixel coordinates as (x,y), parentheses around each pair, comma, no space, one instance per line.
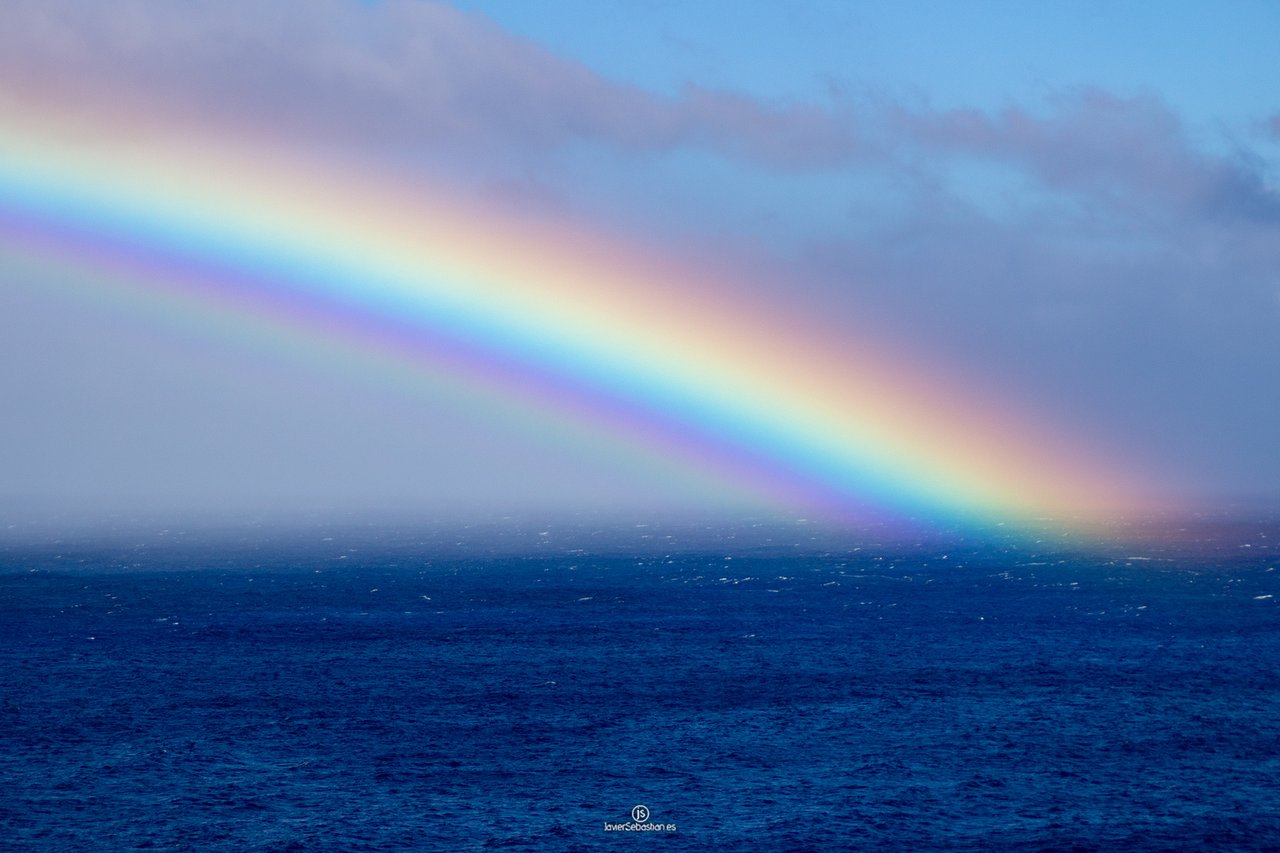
(1067,214)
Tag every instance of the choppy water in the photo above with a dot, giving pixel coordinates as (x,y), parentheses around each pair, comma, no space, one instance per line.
(284,697)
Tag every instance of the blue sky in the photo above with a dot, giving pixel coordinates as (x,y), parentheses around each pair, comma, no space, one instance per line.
(1212,65)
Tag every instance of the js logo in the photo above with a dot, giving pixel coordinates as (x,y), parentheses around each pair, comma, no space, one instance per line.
(640,814)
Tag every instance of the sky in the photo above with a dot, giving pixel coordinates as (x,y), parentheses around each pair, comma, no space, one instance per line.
(924,259)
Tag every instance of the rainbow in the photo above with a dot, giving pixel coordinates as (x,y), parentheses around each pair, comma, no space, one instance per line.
(242,232)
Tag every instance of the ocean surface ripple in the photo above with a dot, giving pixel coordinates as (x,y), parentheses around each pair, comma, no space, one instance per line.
(354,699)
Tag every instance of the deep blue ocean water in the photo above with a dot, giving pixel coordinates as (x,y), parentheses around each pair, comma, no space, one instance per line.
(364,693)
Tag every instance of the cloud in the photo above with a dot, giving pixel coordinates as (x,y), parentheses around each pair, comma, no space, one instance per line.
(800,137)
(403,73)
(425,80)
(1122,152)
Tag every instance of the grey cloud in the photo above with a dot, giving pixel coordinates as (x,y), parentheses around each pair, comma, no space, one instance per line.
(1163,340)
(427,79)
(405,73)
(1124,152)
(800,137)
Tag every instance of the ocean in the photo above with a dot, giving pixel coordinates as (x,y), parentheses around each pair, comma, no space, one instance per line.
(352,690)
